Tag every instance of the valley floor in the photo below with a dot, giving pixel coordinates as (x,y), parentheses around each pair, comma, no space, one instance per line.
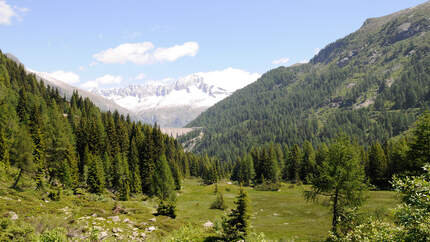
(279,215)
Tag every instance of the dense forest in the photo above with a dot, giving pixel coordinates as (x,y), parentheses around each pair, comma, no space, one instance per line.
(71,144)
(371,85)
(266,166)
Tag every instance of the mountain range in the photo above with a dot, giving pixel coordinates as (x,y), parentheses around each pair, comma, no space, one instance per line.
(174,103)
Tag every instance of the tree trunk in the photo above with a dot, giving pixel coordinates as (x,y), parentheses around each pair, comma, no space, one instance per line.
(335,212)
(17,179)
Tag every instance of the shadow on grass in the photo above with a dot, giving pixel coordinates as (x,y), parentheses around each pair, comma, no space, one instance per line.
(213,239)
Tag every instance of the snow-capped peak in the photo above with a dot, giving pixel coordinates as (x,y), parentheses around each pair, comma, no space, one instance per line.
(198,90)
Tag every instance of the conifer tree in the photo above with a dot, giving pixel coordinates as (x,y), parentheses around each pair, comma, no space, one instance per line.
(162,181)
(22,154)
(235,226)
(147,162)
(295,161)
(133,162)
(378,166)
(419,153)
(341,178)
(309,163)
(96,179)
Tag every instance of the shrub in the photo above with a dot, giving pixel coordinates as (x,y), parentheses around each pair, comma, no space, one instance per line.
(219,202)
(268,187)
(166,209)
(55,195)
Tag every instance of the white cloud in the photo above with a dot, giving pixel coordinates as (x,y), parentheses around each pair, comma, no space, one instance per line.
(7,13)
(144,53)
(81,68)
(281,61)
(67,77)
(90,85)
(104,80)
(109,79)
(177,51)
(141,76)
(304,61)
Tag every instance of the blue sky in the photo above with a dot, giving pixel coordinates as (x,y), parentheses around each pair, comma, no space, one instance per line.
(115,43)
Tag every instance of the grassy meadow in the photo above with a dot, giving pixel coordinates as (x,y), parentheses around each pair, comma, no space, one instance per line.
(281,215)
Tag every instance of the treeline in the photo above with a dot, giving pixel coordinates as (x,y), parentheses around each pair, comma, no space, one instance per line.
(72,144)
(269,164)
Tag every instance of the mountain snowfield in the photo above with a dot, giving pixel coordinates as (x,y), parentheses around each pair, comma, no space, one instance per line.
(174,103)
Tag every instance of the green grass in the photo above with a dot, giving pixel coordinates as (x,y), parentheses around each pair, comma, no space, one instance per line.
(282,215)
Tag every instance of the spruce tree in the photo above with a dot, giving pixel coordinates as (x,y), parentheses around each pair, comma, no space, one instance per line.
(235,225)
(419,153)
(295,161)
(96,179)
(22,154)
(309,163)
(162,181)
(378,166)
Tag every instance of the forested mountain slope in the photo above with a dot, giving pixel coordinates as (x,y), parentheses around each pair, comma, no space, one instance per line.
(67,90)
(371,85)
(55,142)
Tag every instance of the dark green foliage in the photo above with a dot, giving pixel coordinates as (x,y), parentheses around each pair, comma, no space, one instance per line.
(378,166)
(419,153)
(55,195)
(236,224)
(96,179)
(166,209)
(162,181)
(21,154)
(243,171)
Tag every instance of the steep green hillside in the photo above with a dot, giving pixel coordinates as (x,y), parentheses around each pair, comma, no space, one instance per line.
(370,84)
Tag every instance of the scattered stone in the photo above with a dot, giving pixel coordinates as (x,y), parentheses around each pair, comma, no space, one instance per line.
(114,218)
(261,210)
(135,234)
(46,201)
(100,219)
(19,200)
(286,223)
(275,214)
(208,224)
(153,219)
(134,229)
(229,183)
(13,215)
(126,220)
(150,229)
(98,228)
(103,235)
(116,230)
(94,215)
(143,235)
